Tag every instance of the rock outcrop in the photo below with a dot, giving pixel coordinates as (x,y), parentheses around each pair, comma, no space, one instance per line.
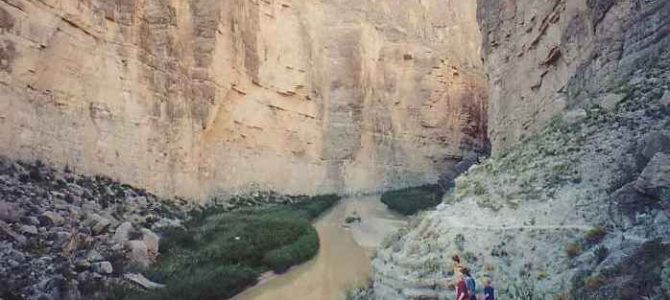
(192,98)
(574,202)
(545,57)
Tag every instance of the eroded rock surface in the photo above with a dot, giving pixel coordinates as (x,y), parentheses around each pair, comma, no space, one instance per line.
(190,98)
(545,57)
(574,202)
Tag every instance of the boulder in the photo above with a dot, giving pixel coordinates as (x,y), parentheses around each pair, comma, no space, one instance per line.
(151,240)
(98,223)
(665,100)
(6,230)
(653,143)
(9,212)
(142,281)
(29,220)
(50,218)
(94,256)
(655,178)
(138,253)
(104,267)
(29,229)
(122,234)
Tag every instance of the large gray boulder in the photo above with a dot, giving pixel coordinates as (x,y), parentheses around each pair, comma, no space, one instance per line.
(655,178)
(9,212)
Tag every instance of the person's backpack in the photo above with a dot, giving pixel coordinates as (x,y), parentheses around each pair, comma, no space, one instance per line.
(472,286)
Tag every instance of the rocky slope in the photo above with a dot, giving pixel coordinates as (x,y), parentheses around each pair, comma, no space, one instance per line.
(64,236)
(191,98)
(68,236)
(575,202)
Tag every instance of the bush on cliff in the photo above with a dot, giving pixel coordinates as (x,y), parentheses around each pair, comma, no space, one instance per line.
(409,201)
(219,254)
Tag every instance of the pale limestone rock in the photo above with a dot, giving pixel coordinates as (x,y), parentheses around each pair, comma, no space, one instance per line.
(317,96)
(122,234)
(51,218)
(152,241)
(138,253)
(9,212)
(142,281)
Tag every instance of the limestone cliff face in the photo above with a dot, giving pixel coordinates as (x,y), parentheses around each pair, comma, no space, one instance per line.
(539,54)
(196,97)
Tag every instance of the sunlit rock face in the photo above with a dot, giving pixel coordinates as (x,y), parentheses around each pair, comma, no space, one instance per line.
(544,57)
(193,98)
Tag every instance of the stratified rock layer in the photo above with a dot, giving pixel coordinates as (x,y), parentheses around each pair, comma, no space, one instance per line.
(191,98)
(544,57)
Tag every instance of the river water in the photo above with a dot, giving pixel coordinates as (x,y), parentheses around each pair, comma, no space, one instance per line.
(343,261)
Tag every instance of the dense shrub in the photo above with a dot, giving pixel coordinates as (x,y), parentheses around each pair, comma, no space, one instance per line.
(595,235)
(409,201)
(219,254)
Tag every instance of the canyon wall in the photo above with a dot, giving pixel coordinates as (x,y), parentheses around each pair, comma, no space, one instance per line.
(200,97)
(575,201)
(540,54)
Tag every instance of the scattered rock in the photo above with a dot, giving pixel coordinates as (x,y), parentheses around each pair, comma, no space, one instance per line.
(665,100)
(655,178)
(122,234)
(94,256)
(29,229)
(51,218)
(5,229)
(138,253)
(29,220)
(9,212)
(98,224)
(610,101)
(653,143)
(151,240)
(142,281)
(104,267)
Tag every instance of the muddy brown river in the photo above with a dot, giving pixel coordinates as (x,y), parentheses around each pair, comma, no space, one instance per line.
(343,261)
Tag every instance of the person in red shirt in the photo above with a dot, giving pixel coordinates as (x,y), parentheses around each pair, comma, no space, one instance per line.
(461,287)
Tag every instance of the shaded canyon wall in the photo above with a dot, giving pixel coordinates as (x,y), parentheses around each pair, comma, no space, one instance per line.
(546,57)
(194,98)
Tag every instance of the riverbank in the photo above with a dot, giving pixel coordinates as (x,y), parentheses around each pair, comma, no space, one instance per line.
(219,253)
(344,258)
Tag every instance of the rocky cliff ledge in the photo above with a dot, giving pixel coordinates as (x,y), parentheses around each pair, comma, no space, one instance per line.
(546,57)
(575,202)
(191,98)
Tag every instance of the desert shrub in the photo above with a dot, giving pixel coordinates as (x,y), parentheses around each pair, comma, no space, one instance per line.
(595,235)
(601,253)
(572,250)
(459,241)
(352,219)
(594,282)
(218,253)
(409,201)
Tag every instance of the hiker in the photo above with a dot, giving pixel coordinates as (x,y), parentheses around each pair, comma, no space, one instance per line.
(489,293)
(461,287)
(470,283)
(457,263)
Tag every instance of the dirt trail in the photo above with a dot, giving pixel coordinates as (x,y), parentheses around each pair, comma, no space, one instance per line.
(343,261)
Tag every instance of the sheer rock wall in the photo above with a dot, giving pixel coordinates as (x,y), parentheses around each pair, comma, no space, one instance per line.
(194,98)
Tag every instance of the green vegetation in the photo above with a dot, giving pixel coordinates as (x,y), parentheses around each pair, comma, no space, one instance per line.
(218,254)
(601,253)
(595,235)
(409,201)
(572,250)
